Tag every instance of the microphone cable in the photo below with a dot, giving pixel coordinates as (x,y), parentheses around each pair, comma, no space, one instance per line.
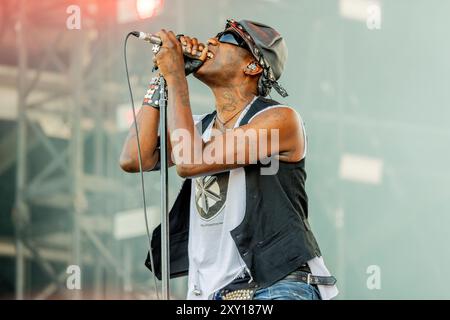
(141,172)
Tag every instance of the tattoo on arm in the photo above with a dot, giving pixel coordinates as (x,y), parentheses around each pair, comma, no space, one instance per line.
(184,98)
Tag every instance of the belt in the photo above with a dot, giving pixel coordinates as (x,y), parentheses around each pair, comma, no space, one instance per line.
(310,279)
(240,289)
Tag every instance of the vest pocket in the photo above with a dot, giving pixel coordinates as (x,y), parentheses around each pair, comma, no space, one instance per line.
(272,239)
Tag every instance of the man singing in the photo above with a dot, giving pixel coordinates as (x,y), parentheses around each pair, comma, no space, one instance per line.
(239,232)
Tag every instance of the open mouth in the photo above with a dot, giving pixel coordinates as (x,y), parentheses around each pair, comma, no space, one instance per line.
(211,54)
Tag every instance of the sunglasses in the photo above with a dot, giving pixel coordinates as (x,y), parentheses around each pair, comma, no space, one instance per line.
(232,38)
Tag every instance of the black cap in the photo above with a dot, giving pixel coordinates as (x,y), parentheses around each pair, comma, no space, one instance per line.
(269,49)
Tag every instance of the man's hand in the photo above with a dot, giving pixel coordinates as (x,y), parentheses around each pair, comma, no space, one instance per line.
(191,48)
(170,58)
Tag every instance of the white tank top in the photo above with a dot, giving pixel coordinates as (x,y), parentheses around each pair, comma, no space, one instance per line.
(217,207)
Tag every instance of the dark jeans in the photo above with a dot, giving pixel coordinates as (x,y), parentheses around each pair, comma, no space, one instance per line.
(288,290)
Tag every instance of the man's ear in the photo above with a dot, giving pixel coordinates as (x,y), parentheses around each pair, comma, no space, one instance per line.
(253,69)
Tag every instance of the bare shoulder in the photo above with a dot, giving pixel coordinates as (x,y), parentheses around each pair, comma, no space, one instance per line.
(287,122)
(281,116)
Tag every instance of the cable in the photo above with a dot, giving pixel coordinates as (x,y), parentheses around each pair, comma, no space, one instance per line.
(140,164)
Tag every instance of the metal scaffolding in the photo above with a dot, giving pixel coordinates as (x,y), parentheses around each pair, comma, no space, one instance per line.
(64,184)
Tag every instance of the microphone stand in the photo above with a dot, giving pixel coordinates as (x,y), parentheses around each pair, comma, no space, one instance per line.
(165,244)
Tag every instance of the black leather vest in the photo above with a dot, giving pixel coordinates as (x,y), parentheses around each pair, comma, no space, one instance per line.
(274,237)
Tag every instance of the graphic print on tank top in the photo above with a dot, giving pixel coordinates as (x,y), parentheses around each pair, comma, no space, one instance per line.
(211,195)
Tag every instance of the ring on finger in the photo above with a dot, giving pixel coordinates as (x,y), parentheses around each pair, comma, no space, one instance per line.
(156,48)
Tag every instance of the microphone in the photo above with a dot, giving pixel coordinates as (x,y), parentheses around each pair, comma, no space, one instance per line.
(147,37)
(154,39)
